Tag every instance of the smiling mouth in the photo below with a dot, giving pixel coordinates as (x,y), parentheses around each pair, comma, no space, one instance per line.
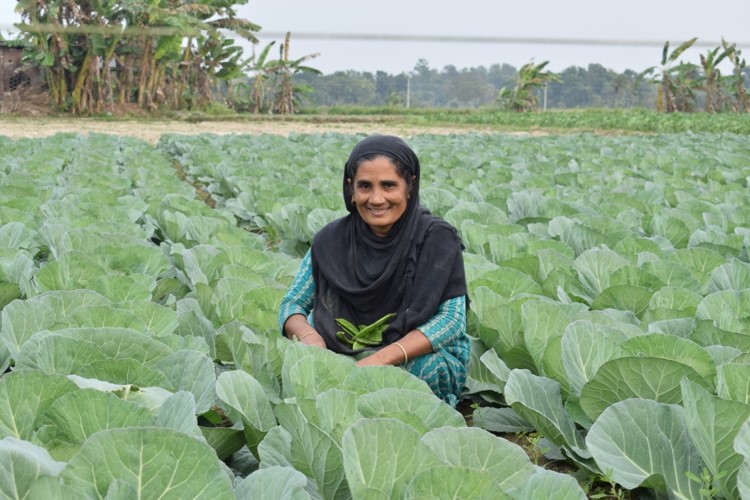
(377,211)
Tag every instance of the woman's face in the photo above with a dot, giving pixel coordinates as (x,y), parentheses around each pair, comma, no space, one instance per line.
(380,194)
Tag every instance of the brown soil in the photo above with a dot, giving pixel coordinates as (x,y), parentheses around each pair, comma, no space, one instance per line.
(151,129)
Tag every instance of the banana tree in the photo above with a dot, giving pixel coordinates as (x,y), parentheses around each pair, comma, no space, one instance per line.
(261,70)
(153,53)
(712,77)
(686,79)
(738,71)
(666,99)
(523,97)
(49,48)
(284,70)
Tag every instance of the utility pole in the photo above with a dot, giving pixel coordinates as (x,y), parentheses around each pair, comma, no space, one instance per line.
(408,90)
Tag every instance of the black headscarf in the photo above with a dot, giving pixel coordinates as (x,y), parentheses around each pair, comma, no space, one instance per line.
(361,277)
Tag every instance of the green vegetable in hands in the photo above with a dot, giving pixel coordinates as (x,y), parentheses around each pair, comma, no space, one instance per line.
(364,335)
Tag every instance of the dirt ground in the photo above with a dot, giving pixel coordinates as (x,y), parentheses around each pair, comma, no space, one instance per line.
(151,130)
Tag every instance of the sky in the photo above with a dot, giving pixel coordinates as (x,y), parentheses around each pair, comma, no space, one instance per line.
(563,32)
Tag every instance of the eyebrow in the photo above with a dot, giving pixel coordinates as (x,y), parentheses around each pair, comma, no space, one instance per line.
(385,182)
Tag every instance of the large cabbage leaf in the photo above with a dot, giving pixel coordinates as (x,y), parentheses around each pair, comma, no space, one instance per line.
(22,464)
(150,461)
(642,442)
(713,424)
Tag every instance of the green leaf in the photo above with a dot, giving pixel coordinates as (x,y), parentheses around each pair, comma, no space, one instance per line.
(701,261)
(679,299)
(551,485)
(420,410)
(733,382)
(646,443)
(672,228)
(671,347)
(21,465)
(742,446)
(21,319)
(335,411)
(178,413)
(379,457)
(625,298)
(713,424)
(158,319)
(635,377)
(154,461)
(507,463)
(192,371)
(309,370)
(275,482)
(70,271)
(538,401)
(116,355)
(507,282)
(499,327)
(309,448)
(674,275)
(79,414)
(369,379)
(734,275)
(8,293)
(244,394)
(585,347)
(450,481)
(24,398)
(595,267)
(729,309)
(542,321)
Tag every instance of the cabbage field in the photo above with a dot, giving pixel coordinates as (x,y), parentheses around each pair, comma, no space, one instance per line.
(609,279)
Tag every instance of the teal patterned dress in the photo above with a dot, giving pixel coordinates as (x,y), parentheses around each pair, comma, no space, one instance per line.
(444,370)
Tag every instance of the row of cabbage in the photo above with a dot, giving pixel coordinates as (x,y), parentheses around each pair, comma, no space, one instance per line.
(141,357)
(609,280)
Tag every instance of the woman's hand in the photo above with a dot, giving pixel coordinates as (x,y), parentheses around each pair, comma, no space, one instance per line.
(371,360)
(297,327)
(313,338)
(412,345)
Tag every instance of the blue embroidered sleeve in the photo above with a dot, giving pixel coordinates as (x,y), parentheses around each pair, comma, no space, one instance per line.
(448,325)
(300,297)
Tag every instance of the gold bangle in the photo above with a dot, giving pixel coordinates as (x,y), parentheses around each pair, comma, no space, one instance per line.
(406,358)
(305,335)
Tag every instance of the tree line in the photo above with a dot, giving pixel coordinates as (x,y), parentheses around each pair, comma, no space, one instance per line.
(673,85)
(172,54)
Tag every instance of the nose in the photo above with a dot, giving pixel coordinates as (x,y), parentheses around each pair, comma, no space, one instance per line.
(377,197)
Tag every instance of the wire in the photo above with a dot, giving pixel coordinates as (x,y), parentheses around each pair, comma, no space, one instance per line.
(364,37)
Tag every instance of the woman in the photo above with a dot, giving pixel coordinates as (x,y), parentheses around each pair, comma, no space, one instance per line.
(389,255)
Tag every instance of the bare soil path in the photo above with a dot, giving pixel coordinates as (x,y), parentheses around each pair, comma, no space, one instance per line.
(151,130)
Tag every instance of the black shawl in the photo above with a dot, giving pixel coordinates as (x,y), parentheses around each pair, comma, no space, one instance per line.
(361,277)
